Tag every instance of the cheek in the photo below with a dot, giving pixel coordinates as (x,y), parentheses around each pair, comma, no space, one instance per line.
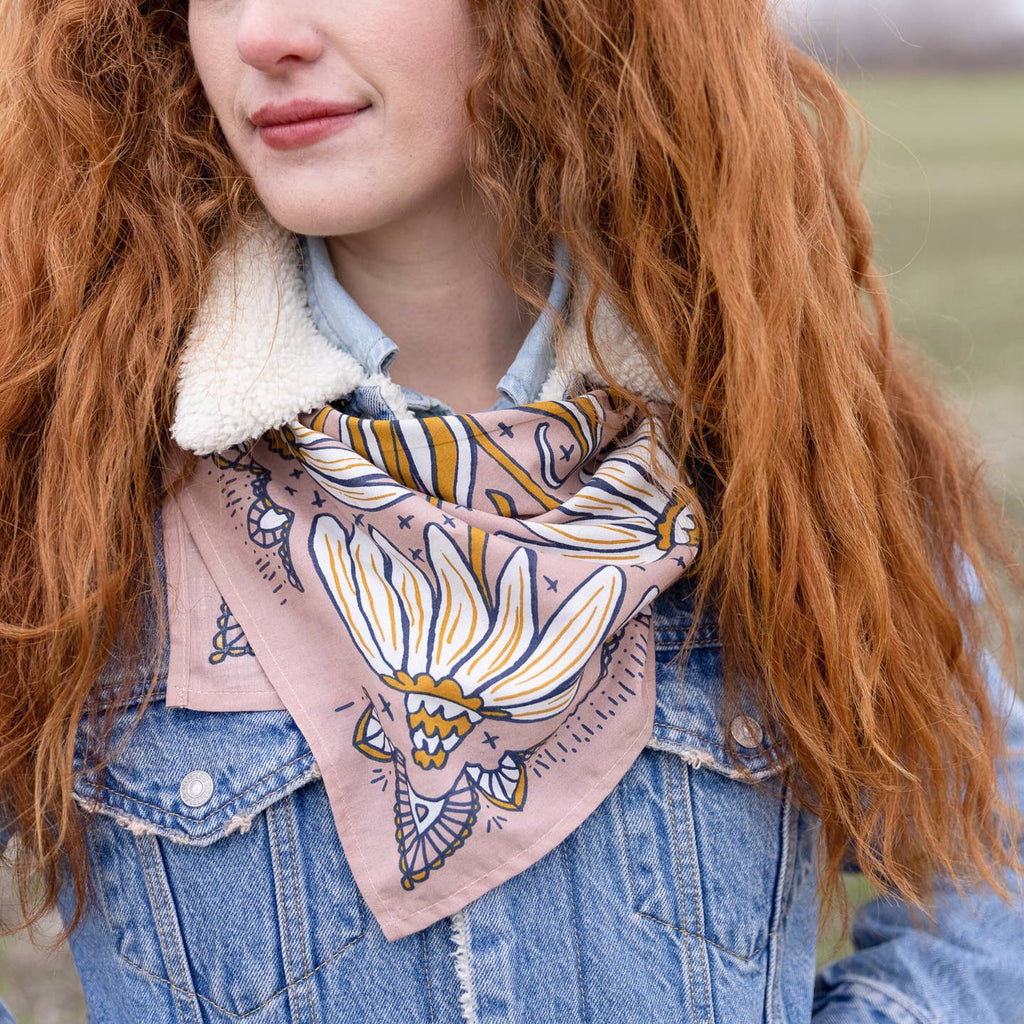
(427,98)
(212,55)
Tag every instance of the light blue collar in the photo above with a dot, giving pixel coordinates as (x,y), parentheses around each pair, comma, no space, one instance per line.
(340,319)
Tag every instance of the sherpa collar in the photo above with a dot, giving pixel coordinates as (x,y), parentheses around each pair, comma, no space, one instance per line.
(254,358)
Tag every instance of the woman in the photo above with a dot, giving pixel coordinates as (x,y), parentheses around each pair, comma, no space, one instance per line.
(285,685)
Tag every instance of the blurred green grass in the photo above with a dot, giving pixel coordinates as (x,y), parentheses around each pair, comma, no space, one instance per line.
(944,181)
(945,184)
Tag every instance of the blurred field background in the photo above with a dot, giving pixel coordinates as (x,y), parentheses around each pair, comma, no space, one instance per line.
(945,183)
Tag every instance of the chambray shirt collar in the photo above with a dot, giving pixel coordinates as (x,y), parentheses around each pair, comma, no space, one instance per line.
(340,319)
(535,359)
(338,315)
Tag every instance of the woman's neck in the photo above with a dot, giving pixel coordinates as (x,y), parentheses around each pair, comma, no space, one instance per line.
(432,284)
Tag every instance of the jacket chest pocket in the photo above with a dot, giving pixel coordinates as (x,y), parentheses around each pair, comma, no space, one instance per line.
(703,851)
(704,837)
(217,864)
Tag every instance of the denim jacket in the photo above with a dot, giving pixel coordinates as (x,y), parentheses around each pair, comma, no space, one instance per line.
(222,892)
(687,896)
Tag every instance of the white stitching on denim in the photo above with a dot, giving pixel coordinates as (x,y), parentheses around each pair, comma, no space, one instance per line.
(223,1009)
(916,1014)
(686,798)
(784,883)
(426,971)
(464,967)
(287,810)
(150,852)
(160,930)
(575,933)
(279,900)
(143,826)
(679,876)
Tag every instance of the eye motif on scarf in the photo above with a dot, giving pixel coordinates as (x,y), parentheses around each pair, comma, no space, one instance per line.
(444,557)
(268,523)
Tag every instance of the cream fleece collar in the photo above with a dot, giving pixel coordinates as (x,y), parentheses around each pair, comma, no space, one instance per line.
(254,358)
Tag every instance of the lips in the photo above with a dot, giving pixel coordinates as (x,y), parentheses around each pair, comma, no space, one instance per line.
(302,122)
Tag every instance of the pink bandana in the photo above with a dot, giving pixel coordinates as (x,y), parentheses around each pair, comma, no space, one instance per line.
(453,609)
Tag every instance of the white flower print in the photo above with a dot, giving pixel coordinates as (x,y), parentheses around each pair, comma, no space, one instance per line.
(458,653)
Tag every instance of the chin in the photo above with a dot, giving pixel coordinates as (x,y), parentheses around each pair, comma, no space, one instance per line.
(321,215)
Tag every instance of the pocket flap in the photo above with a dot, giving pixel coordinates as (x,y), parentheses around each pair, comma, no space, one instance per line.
(689,718)
(192,776)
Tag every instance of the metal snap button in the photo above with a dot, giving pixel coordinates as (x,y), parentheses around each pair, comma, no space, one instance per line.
(196,788)
(746,731)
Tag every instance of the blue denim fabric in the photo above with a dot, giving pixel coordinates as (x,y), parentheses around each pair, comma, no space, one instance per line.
(688,895)
(340,319)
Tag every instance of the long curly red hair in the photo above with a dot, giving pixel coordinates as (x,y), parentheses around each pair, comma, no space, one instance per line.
(704,174)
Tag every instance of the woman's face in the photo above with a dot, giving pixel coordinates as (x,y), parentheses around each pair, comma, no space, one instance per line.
(349,116)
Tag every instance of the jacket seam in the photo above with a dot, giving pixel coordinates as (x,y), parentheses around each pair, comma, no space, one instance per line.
(913,1012)
(699,757)
(426,974)
(159,924)
(679,876)
(279,898)
(214,811)
(575,933)
(686,796)
(286,810)
(223,1009)
(168,939)
(696,735)
(776,932)
(753,955)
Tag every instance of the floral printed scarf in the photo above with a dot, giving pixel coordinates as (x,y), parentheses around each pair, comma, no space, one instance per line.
(454,610)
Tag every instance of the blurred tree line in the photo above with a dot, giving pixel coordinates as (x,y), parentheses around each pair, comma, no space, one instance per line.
(910,33)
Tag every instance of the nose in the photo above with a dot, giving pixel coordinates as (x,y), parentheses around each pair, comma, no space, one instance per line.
(272,36)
